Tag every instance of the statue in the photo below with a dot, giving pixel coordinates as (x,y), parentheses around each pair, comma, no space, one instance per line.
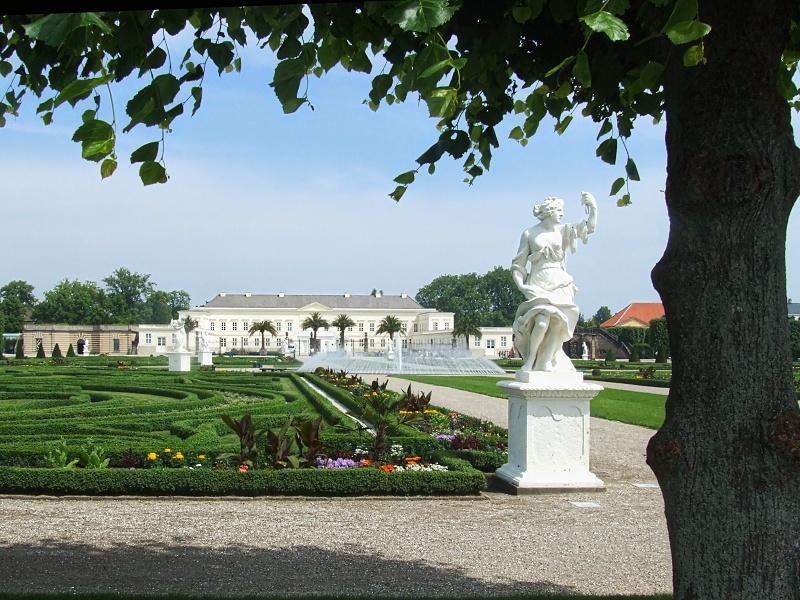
(180,334)
(585,355)
(204,347)
(547,317)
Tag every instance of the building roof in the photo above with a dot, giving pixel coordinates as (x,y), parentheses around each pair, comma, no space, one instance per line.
(638,313)
(297,301)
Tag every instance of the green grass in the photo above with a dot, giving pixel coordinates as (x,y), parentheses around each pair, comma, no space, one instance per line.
(634,408)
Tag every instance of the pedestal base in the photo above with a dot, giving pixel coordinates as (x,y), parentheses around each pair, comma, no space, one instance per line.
(204,358)
(180,361)
(548,433)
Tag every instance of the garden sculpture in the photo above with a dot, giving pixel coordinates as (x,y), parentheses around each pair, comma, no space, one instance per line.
(548,315)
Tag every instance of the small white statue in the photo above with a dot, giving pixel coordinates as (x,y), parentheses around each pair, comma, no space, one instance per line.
(86,347)
(180,334)
(285,346)
(204,346)
(585,355)
(547,317)
(389,346)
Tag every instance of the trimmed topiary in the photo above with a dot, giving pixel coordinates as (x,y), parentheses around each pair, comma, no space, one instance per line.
(56,352)
(610,356)
(40,351)
(634,355)
(70,351)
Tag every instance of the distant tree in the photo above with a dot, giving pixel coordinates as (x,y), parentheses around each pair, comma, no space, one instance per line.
(127,293)
(314,322)
(503,295)
(157,308)
(342,322)
(56,352)
(16,299)
(73,303)
(602,315)
(263,327)
(390,325)
(463,327)
(179,300)
(657,334)
(464,295)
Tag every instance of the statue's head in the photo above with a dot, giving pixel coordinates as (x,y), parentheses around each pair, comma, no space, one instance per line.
(548,207)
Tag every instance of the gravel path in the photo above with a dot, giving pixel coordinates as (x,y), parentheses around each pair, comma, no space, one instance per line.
(492,545)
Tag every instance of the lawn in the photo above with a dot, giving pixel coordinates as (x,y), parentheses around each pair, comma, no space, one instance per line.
(634,408)
(233,597)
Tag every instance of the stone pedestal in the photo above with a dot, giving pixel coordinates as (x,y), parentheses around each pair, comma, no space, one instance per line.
(548,434)
(204,358)
(180,361)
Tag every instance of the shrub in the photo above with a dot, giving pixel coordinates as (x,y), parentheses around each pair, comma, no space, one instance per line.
(596,372)
(610,356)
(19,351)
(56,352)
(634,355)
(40,351)
(70,351)
(661,354)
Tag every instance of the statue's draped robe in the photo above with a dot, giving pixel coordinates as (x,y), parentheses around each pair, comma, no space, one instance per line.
(552,292)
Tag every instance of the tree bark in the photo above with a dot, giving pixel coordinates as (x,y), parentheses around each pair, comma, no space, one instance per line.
(728,455)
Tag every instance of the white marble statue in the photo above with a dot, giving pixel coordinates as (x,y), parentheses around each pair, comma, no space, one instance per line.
(285,346)
(180,334)
(204,346)
(547,317)
(86,349)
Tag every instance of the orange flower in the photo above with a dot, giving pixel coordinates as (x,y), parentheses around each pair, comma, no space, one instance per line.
(243,468)
(413,458)
(387,468)
(366,462)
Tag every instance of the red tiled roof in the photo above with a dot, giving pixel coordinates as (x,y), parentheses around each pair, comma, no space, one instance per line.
(644,312)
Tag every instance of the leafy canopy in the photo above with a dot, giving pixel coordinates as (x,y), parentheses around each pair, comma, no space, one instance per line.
(473,64)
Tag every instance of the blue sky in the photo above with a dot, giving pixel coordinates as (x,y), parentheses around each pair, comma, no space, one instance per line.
(263,202)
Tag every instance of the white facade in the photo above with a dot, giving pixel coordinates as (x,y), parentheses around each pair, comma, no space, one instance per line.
(158,339)
(228,317)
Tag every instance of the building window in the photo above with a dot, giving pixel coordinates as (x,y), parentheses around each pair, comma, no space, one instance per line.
(360,343)
(361,326)
(405,343)
(267,341)
(404,326)
(436,325)
(233,326)
(245,342)
(148,338)
(245,325)
(212,325)
(490,344)
(383,343)
(277,326)
(476,341)
(447,324)
(174,339)
(371,342)
(502,341)
(416,327)
(162,341)
(223,342)
(222,326)
(288,325)
(350,329)
(116,345)
(372,326)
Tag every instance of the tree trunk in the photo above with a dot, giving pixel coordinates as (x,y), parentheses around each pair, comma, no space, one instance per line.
(728,455)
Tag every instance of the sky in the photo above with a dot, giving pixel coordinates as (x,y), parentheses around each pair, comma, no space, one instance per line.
(263,202)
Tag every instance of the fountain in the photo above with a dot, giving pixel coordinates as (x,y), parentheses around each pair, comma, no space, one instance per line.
(435,360)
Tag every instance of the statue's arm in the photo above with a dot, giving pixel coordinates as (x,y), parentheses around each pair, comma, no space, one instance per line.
(590,203)
(518,271)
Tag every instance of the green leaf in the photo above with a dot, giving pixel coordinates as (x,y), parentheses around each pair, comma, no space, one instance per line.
(624,201)
(617,186)
(442,102)
(688,31)
(604,22)
(5,68)
(54,28)
(607,151)
(581,69)
(107,167)
(631,171)
(419,15)
(522,14)
(146,153)
(152,172)
(516,133)
(434,68)
(405,178)
(398,192)
(650,75)
(197,94)
(291,105)
(80,88)
(560,66)
(694,56)
(562,125)
(96,138)
(380,86)
(684,10)
(605,128)
(154,60)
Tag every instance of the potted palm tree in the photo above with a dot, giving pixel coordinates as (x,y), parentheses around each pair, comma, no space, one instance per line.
(341,323)
(263,327)
(314,322)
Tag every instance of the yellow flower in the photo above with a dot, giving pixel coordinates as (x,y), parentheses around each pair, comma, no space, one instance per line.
(178,456)
(152,456)
(202,457)
(167,450)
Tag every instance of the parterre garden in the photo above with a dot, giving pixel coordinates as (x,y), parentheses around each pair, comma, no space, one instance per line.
(105,430)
